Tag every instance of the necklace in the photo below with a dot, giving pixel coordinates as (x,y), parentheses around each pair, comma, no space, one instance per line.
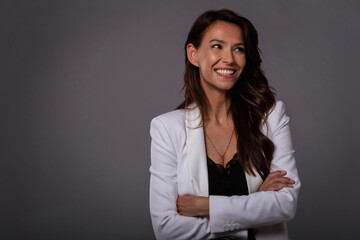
(222,156)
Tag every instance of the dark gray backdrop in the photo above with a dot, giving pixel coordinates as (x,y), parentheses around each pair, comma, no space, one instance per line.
(81,80)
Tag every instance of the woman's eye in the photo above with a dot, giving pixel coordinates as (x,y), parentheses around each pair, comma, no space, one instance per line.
(239,49)
(218,46)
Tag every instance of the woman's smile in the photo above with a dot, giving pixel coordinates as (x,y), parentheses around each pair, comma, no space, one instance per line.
(225,72)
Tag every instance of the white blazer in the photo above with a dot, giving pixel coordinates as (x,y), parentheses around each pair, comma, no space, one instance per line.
(179,167)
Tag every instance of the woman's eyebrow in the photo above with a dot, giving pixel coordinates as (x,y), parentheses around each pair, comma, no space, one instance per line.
(221,41)
(216,40)
(239,44)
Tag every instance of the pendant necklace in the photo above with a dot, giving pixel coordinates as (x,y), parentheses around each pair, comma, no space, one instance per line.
(222,156)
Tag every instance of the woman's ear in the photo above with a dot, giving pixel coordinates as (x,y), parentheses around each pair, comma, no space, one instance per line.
(192,54)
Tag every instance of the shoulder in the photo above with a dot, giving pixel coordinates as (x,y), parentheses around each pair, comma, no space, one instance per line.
(170,123)
(170,119)
(276,118)
(172,116)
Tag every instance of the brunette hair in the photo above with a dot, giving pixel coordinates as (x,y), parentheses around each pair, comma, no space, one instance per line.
(251,97)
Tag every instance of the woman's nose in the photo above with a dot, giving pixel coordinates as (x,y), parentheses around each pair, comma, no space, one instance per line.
(227,56)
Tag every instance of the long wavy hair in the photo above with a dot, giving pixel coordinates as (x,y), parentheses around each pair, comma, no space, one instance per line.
(251,97)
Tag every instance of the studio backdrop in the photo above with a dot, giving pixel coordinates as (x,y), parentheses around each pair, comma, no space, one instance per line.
(80,82)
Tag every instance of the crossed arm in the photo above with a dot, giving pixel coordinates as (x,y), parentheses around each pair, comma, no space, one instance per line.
(194,206)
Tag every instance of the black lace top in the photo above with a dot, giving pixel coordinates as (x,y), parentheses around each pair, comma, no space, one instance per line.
(228,181)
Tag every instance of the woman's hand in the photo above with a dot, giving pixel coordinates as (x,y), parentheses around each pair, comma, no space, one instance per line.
(276,181)
(193,206)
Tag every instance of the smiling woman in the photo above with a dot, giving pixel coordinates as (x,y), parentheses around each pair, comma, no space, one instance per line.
(222,164)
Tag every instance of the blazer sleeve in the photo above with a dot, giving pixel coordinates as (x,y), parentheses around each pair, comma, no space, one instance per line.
(262,208)
(166,221)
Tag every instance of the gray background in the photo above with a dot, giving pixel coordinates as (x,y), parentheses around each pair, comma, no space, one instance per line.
(81,80)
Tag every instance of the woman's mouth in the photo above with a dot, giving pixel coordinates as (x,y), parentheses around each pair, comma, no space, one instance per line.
(225,72)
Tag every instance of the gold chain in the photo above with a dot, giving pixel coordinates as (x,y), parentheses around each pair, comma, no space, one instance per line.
(221,155)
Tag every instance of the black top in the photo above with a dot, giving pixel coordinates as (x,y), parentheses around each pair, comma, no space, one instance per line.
(228,181)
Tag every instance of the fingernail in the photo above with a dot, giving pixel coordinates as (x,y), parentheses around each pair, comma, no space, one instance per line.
(284,172)
(292,181)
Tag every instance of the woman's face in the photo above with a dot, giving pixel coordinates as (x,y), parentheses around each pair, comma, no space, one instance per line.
(220,57)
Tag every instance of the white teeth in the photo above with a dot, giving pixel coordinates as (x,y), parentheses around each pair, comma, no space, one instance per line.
(225,72)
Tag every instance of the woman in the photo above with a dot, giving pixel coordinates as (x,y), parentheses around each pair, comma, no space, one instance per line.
(222,164)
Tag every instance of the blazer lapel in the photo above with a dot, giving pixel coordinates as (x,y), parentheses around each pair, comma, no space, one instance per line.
(196,152)
(196,155)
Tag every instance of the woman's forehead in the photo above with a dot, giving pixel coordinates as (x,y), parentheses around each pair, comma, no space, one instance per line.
(222,30)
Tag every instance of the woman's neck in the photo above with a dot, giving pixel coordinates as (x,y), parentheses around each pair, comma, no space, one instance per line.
(219,105)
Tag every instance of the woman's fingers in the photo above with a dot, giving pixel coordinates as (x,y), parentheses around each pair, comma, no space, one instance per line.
(283,180)
(275,174)
(276,181)
(278,176)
